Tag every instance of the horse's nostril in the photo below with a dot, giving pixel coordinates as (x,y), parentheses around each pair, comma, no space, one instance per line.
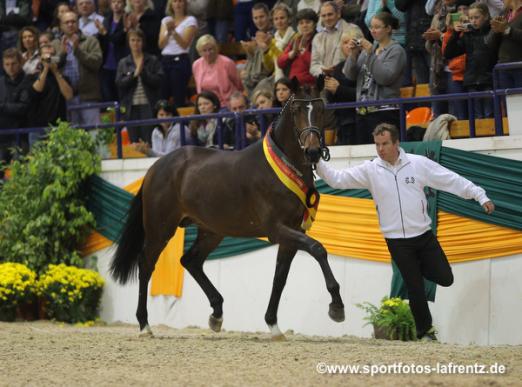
(313,154)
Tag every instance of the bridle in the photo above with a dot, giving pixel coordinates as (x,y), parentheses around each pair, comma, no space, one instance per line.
(310,129)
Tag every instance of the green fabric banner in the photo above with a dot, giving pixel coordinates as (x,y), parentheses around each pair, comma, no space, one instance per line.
(500,177)
(110,205)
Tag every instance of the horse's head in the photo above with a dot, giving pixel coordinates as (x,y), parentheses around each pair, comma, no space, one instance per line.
(308,111)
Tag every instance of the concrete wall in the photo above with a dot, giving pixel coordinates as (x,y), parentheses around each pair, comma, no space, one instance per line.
(483,306)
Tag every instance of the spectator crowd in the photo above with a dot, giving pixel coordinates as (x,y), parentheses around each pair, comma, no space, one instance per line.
(144,53)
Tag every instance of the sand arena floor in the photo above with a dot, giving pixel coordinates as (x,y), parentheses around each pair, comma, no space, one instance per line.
(44,353)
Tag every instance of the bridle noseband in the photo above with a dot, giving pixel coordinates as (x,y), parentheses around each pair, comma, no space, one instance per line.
(301,135)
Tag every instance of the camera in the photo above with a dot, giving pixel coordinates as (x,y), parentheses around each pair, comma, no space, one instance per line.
(358,42)
(51,59)
(467,26)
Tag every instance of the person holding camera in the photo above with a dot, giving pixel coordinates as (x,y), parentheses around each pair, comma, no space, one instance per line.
(378,69)
(506,36)
(50,91)
(438,66)
(457,65)
(480,58)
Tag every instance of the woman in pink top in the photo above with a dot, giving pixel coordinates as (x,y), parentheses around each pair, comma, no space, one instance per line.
(215,72)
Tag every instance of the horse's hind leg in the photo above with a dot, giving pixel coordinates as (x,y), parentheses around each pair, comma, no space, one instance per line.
(298,240)
(157,235)
(284,260)
(193,261)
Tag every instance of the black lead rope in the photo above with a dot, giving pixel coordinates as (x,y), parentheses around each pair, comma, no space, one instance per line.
(325,153)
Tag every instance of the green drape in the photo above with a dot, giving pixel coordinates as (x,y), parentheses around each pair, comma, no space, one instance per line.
(500,177)
(110,205)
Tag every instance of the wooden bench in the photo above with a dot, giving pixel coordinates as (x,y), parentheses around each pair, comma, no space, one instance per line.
(420,90)
(186,111)
(484,127)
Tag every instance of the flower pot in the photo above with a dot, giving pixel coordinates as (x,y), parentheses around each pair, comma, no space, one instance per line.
(8,313)
(383,333)
(28,311)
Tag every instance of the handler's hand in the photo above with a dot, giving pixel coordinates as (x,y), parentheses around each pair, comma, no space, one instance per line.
(489,207)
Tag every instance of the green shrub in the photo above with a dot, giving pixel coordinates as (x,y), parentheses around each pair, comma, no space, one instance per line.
(70,294)
(43,217)
(17,286)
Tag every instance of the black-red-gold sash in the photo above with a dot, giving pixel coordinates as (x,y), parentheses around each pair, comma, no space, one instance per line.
(288,175)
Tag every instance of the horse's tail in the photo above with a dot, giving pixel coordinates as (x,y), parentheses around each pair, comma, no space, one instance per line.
(124,264)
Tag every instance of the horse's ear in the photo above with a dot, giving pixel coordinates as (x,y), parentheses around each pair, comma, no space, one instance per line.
(294,84)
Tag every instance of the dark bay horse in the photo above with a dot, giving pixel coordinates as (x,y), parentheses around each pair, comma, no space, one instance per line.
(234,194)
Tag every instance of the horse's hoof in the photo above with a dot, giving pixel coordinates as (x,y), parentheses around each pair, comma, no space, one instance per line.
(280,337)
(215,323)
(336,313)
(146,332)
(277,335)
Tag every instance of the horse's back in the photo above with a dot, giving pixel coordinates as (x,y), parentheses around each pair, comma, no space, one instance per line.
(209,186)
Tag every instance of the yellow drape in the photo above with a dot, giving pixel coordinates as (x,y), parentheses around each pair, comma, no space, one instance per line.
(167,278)
(349,227)
(465,239)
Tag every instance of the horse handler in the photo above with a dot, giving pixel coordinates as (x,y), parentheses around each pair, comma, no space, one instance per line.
(396,181)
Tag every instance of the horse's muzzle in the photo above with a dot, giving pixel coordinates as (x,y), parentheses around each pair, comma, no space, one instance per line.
(313,154)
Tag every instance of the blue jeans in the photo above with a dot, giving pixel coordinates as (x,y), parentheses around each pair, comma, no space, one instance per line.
(244,27)
(219,29)
(418,63)
(83,117)
(108,87)
(483,106)
(177,76)
(457,107)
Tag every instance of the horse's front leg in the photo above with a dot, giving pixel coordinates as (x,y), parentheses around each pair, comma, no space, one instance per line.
(284,260)
(298,240)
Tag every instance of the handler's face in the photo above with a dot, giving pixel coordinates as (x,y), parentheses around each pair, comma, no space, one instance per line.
(386,149)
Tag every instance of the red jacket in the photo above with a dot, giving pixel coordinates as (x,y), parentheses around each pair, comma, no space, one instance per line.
(299,66)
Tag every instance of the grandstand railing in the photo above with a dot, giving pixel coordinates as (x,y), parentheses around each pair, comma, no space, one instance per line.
(239,118)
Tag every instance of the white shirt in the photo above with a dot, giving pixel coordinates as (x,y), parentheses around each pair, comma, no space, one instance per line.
(398,191)
(162,145)
(87,25)
(172,47)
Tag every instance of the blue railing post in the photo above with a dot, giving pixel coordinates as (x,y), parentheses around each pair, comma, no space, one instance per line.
(118,126)
(471,117)
(262,123)
(182,137)
(402,120)
(220,132)
(497,111)
(237,131)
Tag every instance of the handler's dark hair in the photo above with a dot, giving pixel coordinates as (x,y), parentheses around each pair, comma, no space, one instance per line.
(386,127)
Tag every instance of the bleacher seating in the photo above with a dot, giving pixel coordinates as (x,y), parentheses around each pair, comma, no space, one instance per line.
(483,127)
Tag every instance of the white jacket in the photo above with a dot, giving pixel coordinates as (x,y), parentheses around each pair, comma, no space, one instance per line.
(398,190)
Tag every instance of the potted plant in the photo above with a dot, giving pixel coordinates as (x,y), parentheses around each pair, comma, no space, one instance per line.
(392,320)
(17,286)
(71,294)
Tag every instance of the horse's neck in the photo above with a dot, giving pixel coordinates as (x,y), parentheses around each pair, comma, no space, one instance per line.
(285,138)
